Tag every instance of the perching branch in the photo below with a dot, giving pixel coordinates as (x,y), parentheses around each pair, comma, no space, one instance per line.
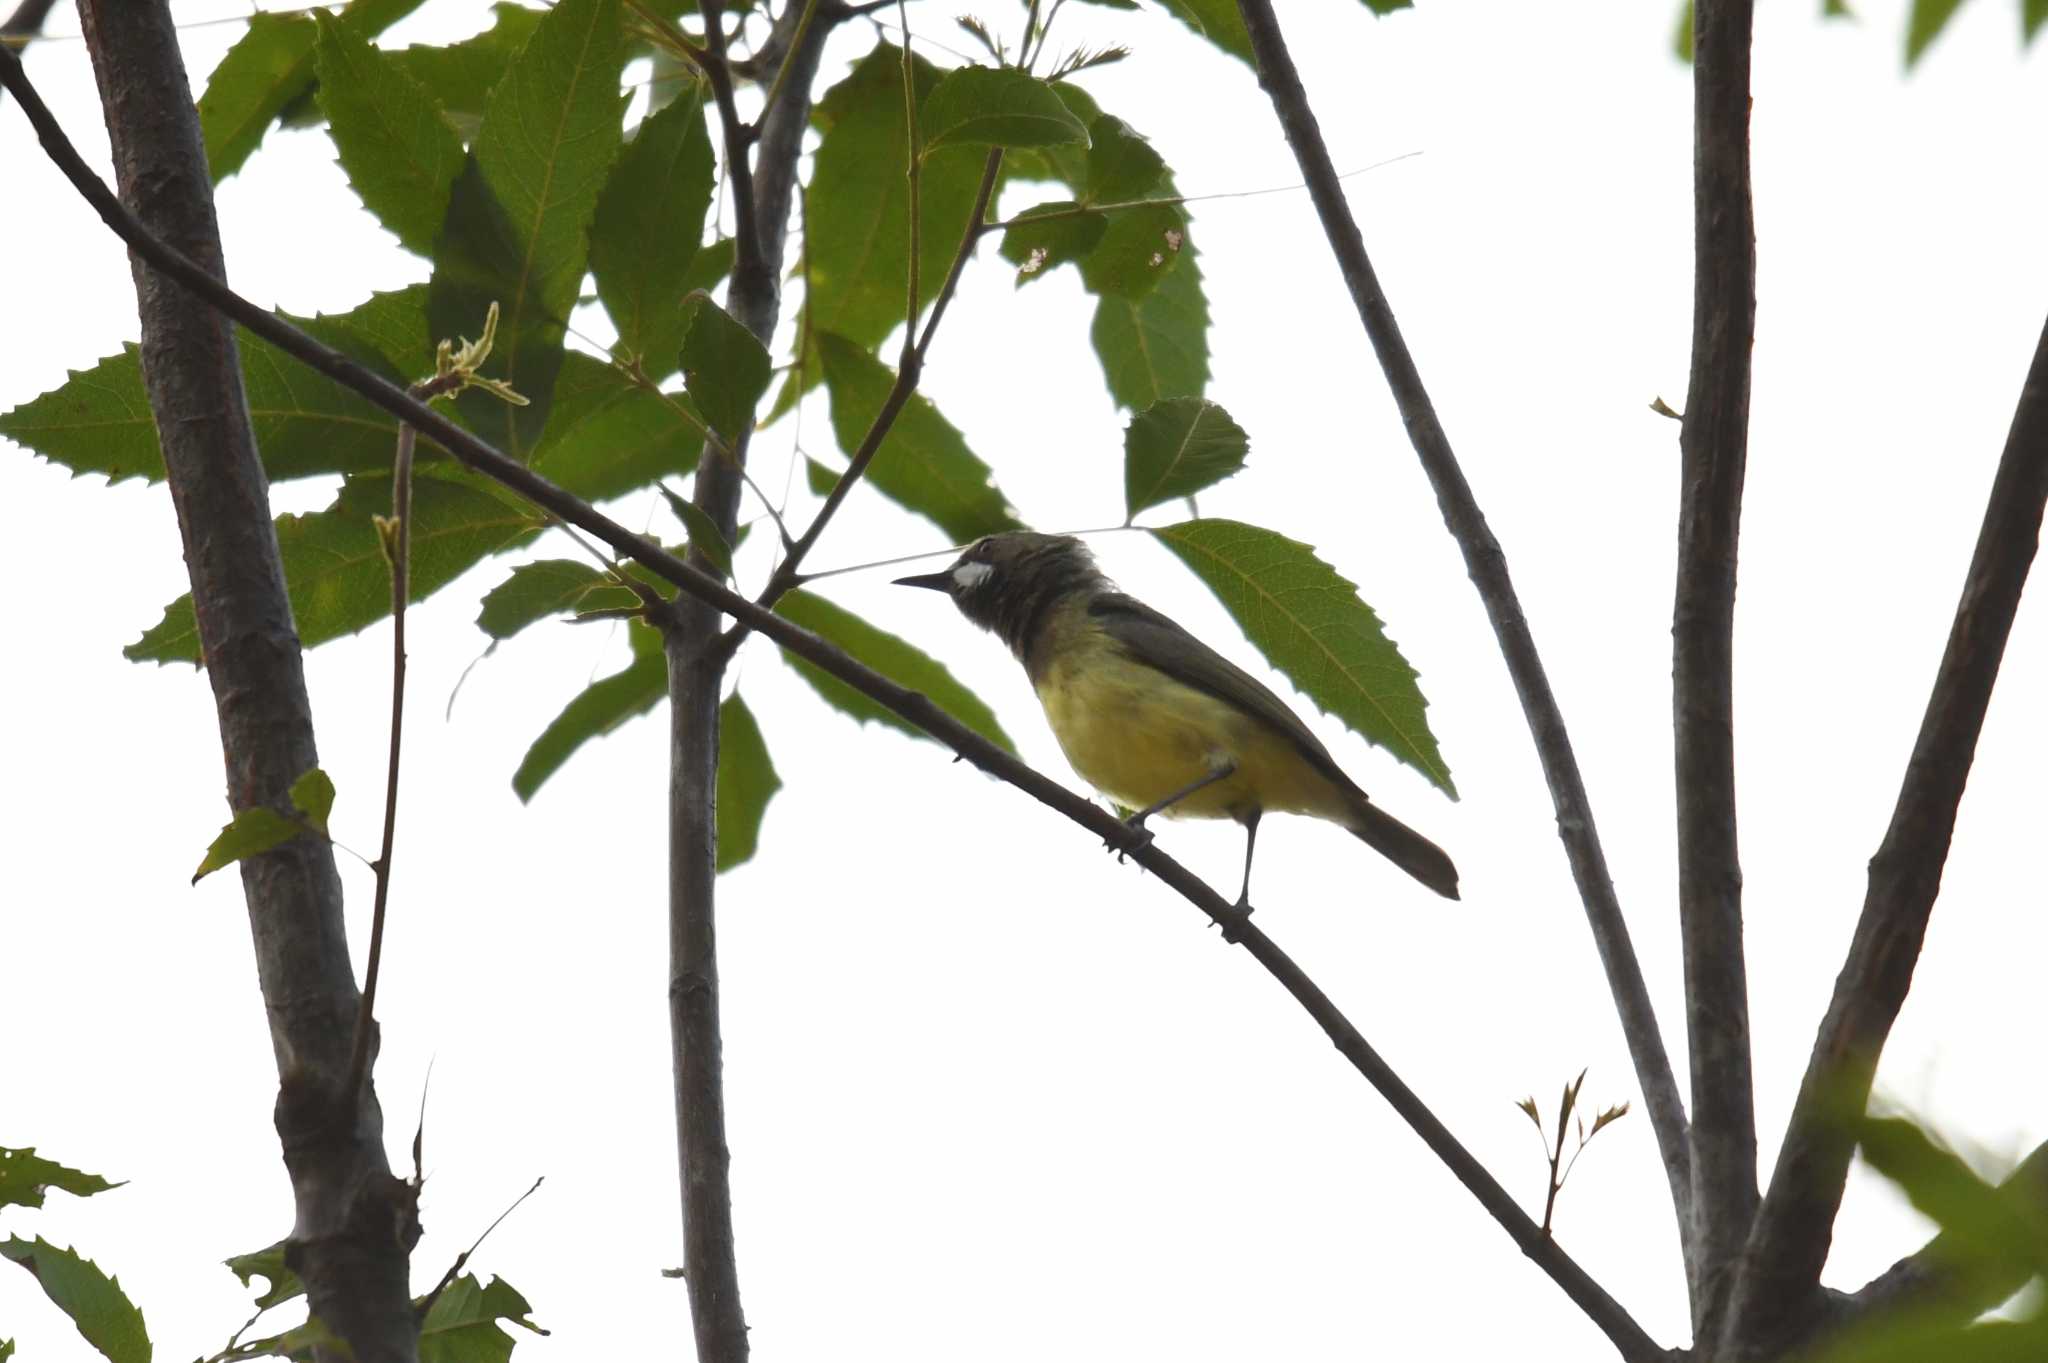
(918,709)
(354,1223)
(1778,1287)
(1712,448)
(1488,569)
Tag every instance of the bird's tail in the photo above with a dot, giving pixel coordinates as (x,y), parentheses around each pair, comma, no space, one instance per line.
(1405,847)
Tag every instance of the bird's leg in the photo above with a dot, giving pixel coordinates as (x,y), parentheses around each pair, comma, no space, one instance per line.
(1251,836)
(1136,823)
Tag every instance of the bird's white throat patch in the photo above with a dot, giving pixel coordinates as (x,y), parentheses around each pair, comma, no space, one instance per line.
(968,576)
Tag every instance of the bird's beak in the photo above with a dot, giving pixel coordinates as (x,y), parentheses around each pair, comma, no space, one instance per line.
(938,582)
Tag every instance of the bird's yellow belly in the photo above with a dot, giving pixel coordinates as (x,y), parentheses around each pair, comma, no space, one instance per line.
(1139,736)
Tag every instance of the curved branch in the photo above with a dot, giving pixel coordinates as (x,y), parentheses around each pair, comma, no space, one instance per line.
(1628,1337)
(1795,1224)
(1712,448)
(1488,569)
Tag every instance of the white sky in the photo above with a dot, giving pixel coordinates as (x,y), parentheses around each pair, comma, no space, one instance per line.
(991,1094)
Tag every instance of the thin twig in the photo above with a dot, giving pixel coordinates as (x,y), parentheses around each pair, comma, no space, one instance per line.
(787,573)
(426,1303)
(1488,569)
(1794,1226)
(911,705)
(1713,443)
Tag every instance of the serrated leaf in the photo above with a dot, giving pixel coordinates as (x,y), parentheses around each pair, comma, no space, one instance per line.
(924,464)
(857,237)
(1175,448)
(313,796)
(399,152)
(462,75)
(991,106)
(268,1263)
(747,781)
(25,1176)
(335,571)
(463,1325)
(1156,346)
(1924,23)
(1037,243)
(701,531)
(94,1301)
(643,239)
(725,367)
(266,68)
(598,709)
(608,436)
(894,658)
(99,421)
(1122,164)
(266,72)
(1311,625)
(1139,249)
(519,212)
(549,586)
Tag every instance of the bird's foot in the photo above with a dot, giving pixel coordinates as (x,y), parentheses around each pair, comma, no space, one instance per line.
(1141,837)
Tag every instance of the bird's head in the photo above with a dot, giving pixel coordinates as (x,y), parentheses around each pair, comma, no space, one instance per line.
(1008,582)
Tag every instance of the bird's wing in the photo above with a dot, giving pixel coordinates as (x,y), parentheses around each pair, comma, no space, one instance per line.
(1156,641)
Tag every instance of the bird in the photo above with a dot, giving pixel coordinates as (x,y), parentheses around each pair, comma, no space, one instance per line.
(1151,716)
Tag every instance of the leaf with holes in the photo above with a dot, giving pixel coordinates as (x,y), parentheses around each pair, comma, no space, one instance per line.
(1049,235)
(25,1176)
(1156,346)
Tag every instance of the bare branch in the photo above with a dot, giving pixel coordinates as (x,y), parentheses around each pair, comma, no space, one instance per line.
(1713,444)
(1795,1225)
(1488,569)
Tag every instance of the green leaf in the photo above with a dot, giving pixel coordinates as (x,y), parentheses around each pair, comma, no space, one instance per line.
(1681,34)
(857,238)
(1002,107)
(387,331)
(894,658)
(313,796)
(6,1350)
(702,532)
(1138,250)
(95,1302)
(399,152)
(266,68)
(25,1176)
(608,436)
(600,708)
(746,783)
(1218,21)
(1987,1228)
(1121,163)
(259,828)
(924,464)
(519,212)
(1924,24)
(1175,448)
(725,368)
(2033,14)
(549,586)
(1386,7)
(462,75)
(269,69)
(1037,244)
(643,240)
(463,1325)
(335,570)
(1309,623)
(1156,346)
(97,421)
(708,268)
(268,1263)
